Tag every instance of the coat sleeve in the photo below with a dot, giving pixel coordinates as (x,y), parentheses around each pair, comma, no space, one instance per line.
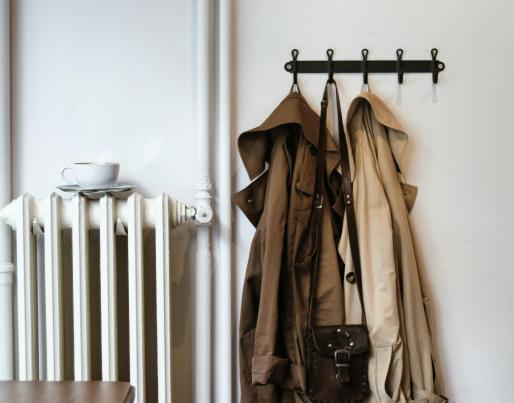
(267,364)
(249,311)
(260,359)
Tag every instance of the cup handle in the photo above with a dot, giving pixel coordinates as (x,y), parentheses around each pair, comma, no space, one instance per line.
(67,180)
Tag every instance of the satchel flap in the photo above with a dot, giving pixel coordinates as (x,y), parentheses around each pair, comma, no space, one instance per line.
(327,339)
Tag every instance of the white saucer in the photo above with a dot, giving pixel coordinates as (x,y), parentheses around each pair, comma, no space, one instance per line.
(116,188)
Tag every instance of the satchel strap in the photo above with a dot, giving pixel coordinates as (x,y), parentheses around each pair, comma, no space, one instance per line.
(347,199)
(317,207)
(348,204)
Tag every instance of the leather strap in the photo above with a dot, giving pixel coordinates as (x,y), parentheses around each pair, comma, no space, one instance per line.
(317,207)
(348,204)
(347,195)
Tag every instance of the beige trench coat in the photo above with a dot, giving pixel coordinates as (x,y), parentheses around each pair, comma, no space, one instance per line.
(401,362)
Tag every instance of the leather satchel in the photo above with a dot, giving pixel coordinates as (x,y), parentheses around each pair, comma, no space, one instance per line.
(338,363)
(337,356)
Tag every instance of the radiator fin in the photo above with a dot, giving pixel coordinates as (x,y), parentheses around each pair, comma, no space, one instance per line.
(53,291)
(26,293)
(136,296)
(108,291)
(81,317)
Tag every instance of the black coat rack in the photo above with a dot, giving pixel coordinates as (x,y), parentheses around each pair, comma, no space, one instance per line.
(365,66)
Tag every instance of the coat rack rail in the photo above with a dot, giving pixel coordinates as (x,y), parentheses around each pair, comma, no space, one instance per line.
(365,66)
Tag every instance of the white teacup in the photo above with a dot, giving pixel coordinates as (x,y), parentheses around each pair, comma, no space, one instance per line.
(92,174)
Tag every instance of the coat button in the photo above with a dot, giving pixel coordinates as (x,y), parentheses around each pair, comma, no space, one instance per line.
(250,201)
(350,277)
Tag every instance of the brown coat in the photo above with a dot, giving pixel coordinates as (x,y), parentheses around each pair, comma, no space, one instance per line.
(280,157)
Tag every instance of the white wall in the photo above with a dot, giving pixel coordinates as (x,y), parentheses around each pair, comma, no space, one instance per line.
(104,80)
(460,152)
(96,80)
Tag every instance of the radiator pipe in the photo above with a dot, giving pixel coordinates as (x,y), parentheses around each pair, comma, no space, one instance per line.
(6,267)
(225,326)
(203,273)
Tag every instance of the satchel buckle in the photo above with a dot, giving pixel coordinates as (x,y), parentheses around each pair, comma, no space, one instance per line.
(342,361)
(342,358)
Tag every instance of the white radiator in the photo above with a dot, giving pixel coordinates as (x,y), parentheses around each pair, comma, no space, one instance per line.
(40,352)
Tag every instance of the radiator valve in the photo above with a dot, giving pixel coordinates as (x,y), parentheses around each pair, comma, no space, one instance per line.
(203,201)
(203,214)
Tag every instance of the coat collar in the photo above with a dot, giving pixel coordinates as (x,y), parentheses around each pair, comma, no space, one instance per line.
(294,109)
(397,137)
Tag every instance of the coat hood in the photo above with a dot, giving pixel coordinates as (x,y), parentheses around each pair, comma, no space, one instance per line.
(293,110)
(398,139)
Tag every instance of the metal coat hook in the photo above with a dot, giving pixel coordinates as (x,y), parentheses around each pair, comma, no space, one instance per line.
(330,54)
(364,53)
(294,54)
(399,55)
(437,66)
(399,68)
